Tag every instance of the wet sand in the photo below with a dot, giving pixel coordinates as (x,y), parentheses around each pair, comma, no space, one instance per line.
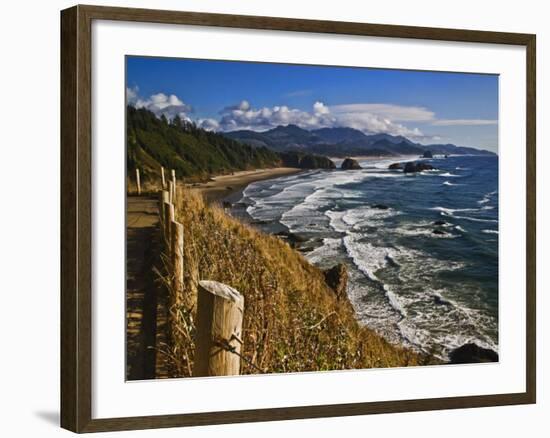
(224,186)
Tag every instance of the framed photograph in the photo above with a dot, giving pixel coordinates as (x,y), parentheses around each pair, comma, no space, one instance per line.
(269,219)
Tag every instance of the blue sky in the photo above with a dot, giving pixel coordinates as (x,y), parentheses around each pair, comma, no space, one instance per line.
(428,107)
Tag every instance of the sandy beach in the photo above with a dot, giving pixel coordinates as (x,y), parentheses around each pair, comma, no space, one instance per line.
(221,187)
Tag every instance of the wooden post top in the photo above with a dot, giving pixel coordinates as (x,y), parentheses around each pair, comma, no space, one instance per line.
(223,291)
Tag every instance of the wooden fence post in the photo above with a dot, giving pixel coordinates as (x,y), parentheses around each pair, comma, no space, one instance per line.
(177,255)
(220,310)
(138,182)
(171,191)
(163,180)
(163,198)
(174,186)
(168,218)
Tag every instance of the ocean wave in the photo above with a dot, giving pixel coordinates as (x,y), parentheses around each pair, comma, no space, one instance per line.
(327,253)
(420,316)
(490,231)
(369,259)
(336,221)
(448,183)
(487,197)
(422,229)
(451,211)
(476,219)
(449,175)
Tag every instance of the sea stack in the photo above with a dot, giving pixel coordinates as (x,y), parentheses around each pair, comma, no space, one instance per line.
(427,154)
(350,164)
(472,353)
(412,167)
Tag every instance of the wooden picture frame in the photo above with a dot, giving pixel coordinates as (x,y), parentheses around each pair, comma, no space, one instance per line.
(76,217)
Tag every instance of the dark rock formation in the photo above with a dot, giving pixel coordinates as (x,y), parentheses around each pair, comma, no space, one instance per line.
(472,353)
(380,206)
(440,223)
(350,164)
(337,279)
(412,167)
(438,231)
(424,166)
(427,154)
(395,166)
(303,160)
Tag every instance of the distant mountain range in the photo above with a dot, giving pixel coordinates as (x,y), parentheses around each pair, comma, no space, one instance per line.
(340,142)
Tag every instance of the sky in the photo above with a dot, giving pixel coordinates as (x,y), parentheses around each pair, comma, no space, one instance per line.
(427,107)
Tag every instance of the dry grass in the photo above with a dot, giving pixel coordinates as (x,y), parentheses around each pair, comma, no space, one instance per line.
(292,321)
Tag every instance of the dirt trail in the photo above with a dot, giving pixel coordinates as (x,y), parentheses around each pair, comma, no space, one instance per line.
(145,301)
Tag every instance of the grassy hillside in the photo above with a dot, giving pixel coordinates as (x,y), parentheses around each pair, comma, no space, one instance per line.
(194,153)
(292,321)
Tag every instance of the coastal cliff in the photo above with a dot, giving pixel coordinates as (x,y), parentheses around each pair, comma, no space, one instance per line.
(297,317)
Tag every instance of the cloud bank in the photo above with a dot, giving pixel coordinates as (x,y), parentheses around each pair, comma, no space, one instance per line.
(370,118)
(160,104)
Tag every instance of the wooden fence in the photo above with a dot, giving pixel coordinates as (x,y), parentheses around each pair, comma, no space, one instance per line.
(220,308)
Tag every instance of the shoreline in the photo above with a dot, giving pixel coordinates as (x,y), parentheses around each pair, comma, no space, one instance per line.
(223,187)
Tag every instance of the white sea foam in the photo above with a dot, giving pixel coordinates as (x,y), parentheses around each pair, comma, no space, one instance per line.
(327,252)
(487,197)
(475,219)
(449,175)
(369,259)
(421,229)
(490,231)
(451,211)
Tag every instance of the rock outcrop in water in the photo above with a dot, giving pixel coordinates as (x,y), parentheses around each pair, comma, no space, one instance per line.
(337,279)
(472,353)
(412,167)
(427,154)
(350,164)
(395,166)
(302,160)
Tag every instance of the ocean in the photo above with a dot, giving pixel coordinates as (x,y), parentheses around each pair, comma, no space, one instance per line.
(421,250)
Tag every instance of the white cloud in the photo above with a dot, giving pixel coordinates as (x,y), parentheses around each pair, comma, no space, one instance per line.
(243,116)
(395,113)
(464,122)
(369,118)
(161,104)
(208,124)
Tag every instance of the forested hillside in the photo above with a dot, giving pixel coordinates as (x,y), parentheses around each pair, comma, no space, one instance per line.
(196,154)
(193,152)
